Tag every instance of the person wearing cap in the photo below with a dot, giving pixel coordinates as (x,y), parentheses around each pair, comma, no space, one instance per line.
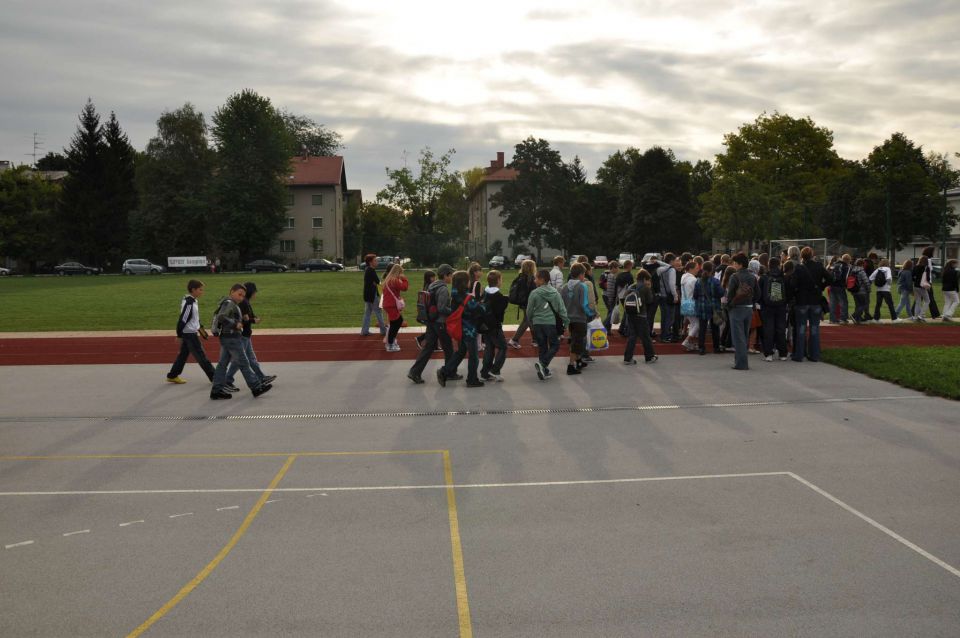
(436,325)
(371,297)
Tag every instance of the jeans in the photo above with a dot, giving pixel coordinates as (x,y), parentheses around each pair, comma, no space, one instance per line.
(805,315)
(548,343)
(951,300)
(652,314)
(466,348)
(774,330)
(884,296)
(740,317)
(495,353)
(394,329)
(861,310)
(922,302)
(247,344)
(374,308)
(904,304)
(838,304)
(522,328)
(610,303)
(706,324)
(190,344)
(668,311)
(639,328)
(231,351)
(436,333)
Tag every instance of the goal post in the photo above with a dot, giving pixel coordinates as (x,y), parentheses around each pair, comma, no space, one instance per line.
(820,245)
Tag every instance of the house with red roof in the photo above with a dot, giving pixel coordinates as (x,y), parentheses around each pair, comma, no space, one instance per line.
(316,198)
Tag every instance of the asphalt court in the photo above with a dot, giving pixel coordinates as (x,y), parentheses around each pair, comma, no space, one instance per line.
(825,506)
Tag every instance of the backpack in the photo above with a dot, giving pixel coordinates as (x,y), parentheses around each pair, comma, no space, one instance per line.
(426,309)
(484,315)
(836,271)
(881,278)
(454,320)
(215,327)
(514,296)
(603,279)
(853,284)
(632,302)
(744,294)
(774,294)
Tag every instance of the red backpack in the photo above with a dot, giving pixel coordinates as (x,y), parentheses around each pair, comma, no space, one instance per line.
(455,320)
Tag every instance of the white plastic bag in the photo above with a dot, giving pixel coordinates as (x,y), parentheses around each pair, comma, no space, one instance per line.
(597,335)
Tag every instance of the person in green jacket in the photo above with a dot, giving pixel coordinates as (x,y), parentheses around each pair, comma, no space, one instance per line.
(544,307)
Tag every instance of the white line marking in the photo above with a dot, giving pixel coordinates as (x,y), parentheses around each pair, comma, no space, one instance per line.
(886,530)
(312,495)
(179,515)
(130,523)
(18,544)
(273,500)
(82,531)
(231,507)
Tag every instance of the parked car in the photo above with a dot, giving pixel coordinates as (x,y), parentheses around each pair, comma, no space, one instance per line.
(311,265)
(936,267)
(4,271)
(75,268)
(648,256)
(382,263)
(498,261)
(140,267)
(520,259)
(265,265)
(600,261)
(625,256)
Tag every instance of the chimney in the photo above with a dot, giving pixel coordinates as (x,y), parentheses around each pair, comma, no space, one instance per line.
(500,160)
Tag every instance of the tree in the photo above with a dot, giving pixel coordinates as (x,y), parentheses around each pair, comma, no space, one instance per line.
(253,162)
(53,162)
(534,204)
(174,184)
(383,227)
(778,161)
(306,136)
(120,192)
(434,203)
(352,235)
(83,203)
(27,205)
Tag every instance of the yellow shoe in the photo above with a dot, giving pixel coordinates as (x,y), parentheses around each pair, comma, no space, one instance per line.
(176,380)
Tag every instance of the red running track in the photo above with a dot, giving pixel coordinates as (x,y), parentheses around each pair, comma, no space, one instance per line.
(341,347)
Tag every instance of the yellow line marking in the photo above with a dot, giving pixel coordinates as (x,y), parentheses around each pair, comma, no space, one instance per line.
(249,455)
(212,565)
(460,579)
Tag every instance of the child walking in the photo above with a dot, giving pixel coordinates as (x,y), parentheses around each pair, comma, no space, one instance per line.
(460,296)
(394,284)
(246,339)
(188,327)
(496,351)
(637,303)
(544,309)
(576,299)
(228,326)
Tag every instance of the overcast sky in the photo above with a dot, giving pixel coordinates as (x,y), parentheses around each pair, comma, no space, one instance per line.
(393,77)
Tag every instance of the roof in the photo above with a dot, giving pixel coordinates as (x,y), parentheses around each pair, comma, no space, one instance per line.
(502,175)
(317,171)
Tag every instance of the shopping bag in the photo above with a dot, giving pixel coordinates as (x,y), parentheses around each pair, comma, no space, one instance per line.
(597,336)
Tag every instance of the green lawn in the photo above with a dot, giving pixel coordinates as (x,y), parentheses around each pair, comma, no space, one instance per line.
(285,300)
(934,370)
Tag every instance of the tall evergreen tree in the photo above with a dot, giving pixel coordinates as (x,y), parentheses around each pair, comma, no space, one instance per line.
(83,205)
(120,192)
(253,163)
(27,205)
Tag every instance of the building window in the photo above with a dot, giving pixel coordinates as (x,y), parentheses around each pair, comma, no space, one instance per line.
(317,245)
(318,222)
(287,246)
(291,222)
(316,200)
(289,198)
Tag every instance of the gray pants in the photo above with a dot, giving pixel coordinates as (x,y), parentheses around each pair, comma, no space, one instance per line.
(251,359)
(372,307)
(231,351)
(740,317)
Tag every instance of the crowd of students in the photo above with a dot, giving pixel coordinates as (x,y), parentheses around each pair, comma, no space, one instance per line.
(764,304)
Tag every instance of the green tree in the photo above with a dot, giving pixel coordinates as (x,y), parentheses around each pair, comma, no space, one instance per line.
(434,204)
(535,205)
(352,235)
(27,206)
(174,184)
(383,227)
(253,162)
(83,205)
(306,136)
(53,162)
(778,161)
(120,191)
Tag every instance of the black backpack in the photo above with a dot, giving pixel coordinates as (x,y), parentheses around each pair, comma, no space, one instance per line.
(632,302)
(515,292)
(774,293)
(881,278)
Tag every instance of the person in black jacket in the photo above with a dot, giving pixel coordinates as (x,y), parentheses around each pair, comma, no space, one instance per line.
(246,340)
(928,253)
(496,351)
(810,278)
(188,327)
(371,297)
(951,292)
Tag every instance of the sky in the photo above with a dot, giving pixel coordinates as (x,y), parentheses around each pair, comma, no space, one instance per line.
(394,77)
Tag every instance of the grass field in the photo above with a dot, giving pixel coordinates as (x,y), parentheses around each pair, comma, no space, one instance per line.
(285,300)
(934,370)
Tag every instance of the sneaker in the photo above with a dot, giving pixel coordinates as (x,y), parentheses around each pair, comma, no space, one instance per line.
(217,396)
(652,359)
(176,380)
(752,351)
(769,357)
(514,344)
(631,362)
(496,377)
(783,358)
(231,388)
(587,359)
(415,378)
(487,377)
(263,388)
(573,369)
(581,365)
(455,377)
(270,378)
(441,378)
(547,373)
(539,368)
(475,384)
(419,344)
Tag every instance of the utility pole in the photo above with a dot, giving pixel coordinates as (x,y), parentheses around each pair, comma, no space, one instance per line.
(37,145)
